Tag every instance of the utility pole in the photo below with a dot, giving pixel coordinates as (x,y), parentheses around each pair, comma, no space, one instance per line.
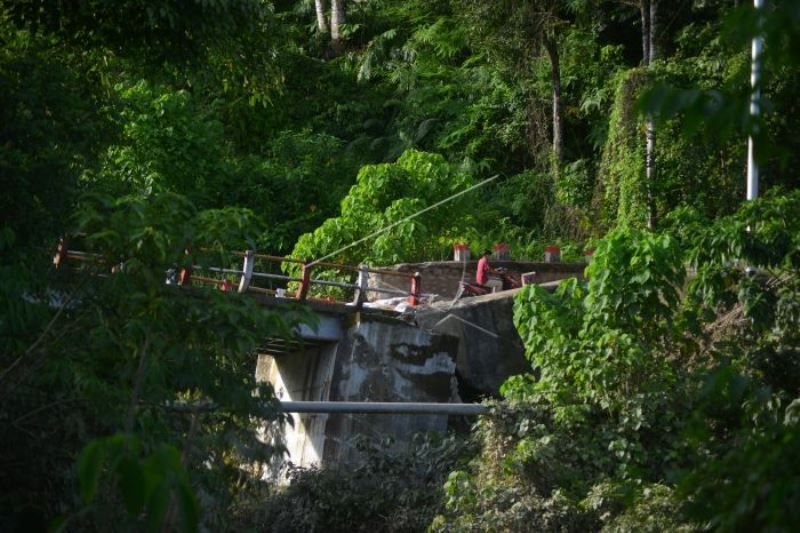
(755,103)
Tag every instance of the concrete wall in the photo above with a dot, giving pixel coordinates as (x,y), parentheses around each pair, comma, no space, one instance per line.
(490,349)
(378,359)
(442,277)
(390,360)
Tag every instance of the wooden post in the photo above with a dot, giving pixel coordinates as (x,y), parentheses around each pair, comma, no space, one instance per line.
(552,254)
(460,252)
(501,251)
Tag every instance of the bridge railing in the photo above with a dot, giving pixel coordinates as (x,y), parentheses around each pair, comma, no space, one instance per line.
(362,287)
(301,286)
(257,268)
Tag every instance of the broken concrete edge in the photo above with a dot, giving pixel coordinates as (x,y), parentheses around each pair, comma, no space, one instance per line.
(326,307)
(500,295)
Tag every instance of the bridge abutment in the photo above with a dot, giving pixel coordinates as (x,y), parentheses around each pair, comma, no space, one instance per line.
(378,359)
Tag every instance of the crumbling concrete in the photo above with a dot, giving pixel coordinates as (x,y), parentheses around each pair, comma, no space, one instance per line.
(389,360)
(379,359)
(445,352)
(490,349)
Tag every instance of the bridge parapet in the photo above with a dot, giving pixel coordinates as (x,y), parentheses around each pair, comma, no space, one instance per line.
(442,278)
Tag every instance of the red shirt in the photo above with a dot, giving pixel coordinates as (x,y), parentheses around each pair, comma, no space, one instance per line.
(483,268)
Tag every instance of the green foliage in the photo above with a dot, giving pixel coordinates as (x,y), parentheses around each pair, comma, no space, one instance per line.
(701,103)
(620,192)
(174,30)
(227,124)
(49,131)
(574,187)
(655,403)
(448,96)
(98,351)
(171,142)
(514,484)
(589,341)
(146,484)
(753,485)
(386,490)
(386,194)
(166,145)
(285,187)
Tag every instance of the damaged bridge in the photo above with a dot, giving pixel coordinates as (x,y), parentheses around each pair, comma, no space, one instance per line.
(438,353)
(412,347)
(443,352)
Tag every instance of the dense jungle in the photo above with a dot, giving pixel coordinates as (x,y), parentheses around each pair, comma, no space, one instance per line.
(665,387)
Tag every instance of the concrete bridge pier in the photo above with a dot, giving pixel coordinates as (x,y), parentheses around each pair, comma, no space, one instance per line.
(301,376)
(376,358)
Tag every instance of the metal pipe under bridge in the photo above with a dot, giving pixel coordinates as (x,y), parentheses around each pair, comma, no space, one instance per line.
(397,408)
(352,408)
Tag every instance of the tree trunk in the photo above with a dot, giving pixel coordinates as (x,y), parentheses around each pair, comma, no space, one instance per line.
(644,8)
(337,19)
(322,22)
(650,132)
(555,75)
(654,51)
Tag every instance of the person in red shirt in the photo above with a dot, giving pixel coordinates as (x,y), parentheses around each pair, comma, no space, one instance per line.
(483,275)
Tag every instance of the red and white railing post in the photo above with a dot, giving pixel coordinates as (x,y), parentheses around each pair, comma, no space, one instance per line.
(61,252)
(416,289)
(460,252)
(552,254)
(185,274)
(305,281)
(501,251)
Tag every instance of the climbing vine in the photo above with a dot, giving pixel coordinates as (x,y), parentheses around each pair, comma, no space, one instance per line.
(620,194)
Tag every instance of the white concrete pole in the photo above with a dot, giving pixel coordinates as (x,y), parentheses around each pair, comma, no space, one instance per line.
(755,104)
